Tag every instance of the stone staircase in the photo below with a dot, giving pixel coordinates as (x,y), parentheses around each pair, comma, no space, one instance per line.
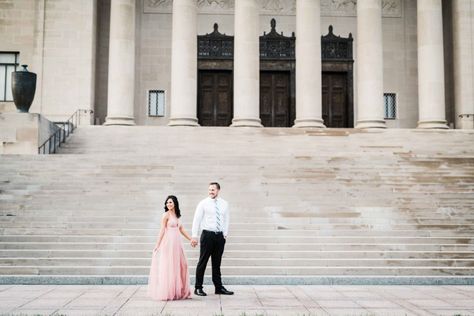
(307,206)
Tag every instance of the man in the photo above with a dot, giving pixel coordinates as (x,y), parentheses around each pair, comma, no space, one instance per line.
(212,216)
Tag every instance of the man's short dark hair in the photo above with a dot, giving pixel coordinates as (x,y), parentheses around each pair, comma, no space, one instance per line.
(218,186)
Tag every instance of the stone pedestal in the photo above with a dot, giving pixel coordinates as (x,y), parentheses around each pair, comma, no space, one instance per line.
(23,133)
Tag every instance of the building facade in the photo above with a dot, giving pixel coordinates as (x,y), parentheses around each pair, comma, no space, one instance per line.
(271,63)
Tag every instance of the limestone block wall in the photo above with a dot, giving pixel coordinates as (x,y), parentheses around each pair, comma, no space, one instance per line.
(69,57)
(57,40)
(21,30)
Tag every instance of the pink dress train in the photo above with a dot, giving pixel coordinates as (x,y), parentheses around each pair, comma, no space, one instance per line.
(169,276)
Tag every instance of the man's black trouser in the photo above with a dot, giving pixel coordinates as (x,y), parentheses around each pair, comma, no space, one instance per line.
(212,245)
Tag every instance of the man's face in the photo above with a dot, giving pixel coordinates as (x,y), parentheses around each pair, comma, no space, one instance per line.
(213,191)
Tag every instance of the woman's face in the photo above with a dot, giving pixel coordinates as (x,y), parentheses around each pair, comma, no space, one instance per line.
(170,204)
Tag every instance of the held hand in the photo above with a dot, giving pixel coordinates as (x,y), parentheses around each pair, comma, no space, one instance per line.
(193,242)
(155,249)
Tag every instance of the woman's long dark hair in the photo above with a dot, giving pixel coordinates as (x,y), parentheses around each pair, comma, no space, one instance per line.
(176,205)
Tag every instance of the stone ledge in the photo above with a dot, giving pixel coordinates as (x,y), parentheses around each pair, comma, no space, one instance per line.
(23,133)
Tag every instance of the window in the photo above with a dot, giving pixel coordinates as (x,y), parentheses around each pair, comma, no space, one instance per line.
(390,105)
(156,103)
(8,64)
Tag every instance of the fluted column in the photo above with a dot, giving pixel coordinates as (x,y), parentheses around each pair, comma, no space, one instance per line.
(308,64)
(184,64)
(369,65)
(431,102)
(246,64)
(121,84)
(463,33)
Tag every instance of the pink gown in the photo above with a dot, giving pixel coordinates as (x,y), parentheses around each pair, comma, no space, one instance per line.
(169,276)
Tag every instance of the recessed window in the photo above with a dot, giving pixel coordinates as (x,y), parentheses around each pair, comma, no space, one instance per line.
(156,103)
(8,64)
(390,105)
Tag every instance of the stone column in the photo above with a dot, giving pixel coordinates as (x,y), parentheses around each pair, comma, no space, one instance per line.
(370,112)
(431,102)
(463,36)
(121,89)
(184,64)
(308,64)
(246,64)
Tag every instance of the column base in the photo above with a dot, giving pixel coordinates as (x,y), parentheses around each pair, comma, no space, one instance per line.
(371,124)
(309,123)
(183,121)
(246,122)
(441,124)
(119,120)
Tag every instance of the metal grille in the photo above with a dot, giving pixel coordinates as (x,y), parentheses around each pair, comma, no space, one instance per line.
(8,64)
(390,105)
(156,103)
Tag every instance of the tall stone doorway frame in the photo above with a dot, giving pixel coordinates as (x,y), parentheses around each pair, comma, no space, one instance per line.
(277,53)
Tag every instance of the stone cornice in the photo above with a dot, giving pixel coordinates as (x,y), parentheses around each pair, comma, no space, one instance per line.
(391,8)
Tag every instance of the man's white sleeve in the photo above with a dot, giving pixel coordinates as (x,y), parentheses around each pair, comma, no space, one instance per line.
(198,214)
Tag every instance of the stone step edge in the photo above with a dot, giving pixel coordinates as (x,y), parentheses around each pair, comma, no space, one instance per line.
(242,280)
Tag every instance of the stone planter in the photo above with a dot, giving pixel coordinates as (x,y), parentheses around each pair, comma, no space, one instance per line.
(23,88)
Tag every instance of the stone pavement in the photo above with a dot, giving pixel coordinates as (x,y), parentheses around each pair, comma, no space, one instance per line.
(248,300)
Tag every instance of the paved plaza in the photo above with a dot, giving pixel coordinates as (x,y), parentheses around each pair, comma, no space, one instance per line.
(248,301)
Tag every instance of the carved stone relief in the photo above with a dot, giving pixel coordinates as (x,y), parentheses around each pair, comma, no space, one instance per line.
(391,8)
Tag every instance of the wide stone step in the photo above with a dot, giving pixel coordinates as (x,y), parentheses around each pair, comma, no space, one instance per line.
(260,239)
(153,232)
(245,246)
(251,271)
(245,262)
(246,254)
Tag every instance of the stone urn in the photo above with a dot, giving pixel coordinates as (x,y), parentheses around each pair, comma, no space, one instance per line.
(23,88)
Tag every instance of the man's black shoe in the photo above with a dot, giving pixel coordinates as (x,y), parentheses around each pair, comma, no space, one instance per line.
(223,291)
(200,292)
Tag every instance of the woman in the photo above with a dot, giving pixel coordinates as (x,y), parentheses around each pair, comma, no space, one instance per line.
(169,277)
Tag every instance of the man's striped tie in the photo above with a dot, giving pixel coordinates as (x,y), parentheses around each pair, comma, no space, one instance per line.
(218,218)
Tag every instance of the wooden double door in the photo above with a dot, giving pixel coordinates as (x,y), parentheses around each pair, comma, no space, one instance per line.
(215,97)
(277,106)
(335,106)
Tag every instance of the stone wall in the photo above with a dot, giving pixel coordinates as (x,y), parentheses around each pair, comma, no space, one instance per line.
(57,40)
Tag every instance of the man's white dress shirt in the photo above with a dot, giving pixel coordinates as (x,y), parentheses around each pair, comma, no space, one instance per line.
(205,217)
